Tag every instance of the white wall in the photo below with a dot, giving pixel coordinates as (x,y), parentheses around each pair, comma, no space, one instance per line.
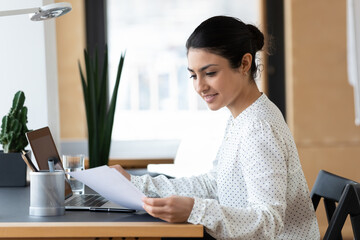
(28,63)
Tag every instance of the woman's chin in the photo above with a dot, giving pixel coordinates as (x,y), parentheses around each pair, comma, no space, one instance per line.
(214,107)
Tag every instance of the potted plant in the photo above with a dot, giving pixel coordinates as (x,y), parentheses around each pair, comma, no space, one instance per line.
(13,140)
(99,112)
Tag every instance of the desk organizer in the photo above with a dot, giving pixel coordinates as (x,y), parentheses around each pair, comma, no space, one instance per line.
(47,193)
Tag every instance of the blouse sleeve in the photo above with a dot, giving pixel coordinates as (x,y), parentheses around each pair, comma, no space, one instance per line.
(262,157)
(203,186)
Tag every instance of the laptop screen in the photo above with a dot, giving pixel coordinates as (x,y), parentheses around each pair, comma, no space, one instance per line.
(43,148)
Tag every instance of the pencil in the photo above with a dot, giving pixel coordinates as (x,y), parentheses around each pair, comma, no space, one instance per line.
(28,161)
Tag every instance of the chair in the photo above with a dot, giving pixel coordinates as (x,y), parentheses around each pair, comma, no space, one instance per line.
(335,189)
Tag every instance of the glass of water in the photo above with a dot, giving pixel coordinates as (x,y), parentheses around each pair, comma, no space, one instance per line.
(73,163)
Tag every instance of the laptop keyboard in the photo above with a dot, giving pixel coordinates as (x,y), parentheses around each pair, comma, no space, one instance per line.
(87,200)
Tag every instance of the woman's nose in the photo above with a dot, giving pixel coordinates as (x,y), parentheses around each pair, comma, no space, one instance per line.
(201,85)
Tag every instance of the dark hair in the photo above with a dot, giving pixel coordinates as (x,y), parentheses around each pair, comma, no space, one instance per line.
(228,37)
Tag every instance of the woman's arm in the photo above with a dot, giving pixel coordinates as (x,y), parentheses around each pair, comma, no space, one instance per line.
(252,223)
(203,186)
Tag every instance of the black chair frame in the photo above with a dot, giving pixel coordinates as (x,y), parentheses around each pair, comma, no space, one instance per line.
(335,189)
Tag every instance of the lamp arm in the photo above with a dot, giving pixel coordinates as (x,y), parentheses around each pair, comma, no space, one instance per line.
(19,11)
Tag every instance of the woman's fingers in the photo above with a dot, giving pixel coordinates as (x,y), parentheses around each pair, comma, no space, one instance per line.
(122,171)
(155,201)
(171,209)
(158,211)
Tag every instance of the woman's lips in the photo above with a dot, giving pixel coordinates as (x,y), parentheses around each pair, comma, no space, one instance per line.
(210,97)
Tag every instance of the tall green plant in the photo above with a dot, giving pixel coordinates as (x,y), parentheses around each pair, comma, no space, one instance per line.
(99,113)
(13,126)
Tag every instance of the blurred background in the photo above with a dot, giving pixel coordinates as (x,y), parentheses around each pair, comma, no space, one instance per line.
(158,114)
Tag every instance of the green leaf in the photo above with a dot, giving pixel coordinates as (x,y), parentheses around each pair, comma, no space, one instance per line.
(106,139)
(103,101)
(100,116)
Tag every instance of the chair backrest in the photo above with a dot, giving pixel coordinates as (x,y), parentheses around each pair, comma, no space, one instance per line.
(349,204)
(330,187)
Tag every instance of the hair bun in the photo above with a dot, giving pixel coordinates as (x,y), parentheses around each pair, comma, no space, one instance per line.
(257,37)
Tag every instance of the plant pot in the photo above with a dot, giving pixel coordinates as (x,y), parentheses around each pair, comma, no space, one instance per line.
(12,170)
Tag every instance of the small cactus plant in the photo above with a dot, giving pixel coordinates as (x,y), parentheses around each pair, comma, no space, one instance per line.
(13,127)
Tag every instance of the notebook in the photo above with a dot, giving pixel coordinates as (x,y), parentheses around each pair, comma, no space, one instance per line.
(43,148)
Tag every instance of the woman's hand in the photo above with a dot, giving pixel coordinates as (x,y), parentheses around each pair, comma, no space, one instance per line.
(173,209)
(122,171)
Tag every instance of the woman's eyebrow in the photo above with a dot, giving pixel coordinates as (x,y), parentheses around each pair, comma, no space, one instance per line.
(203,68)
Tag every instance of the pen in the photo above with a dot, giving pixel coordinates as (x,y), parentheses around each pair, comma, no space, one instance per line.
(122,210)
(28,161)
(51,165)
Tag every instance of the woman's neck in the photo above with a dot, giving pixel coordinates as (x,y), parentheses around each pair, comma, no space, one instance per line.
(247,98)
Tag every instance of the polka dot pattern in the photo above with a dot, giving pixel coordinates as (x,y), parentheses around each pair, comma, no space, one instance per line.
(256,190)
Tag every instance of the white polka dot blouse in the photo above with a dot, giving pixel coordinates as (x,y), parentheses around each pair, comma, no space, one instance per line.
(256,190)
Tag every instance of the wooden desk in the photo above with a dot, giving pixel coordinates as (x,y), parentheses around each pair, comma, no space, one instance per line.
(98,229)
(15,222)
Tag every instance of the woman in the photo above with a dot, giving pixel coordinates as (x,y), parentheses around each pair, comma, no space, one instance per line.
(257,189)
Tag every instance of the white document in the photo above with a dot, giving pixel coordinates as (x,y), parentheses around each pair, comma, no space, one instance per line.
(112,185)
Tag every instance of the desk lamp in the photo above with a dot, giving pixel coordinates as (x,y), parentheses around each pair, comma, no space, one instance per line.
(41,13)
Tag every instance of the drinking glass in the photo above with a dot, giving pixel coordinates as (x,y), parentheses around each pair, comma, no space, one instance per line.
(73,163)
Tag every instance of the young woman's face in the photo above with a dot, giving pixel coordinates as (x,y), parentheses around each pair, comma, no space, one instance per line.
(215,81)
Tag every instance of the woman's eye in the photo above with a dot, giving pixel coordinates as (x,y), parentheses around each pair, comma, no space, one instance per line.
(193,76)
(210,74)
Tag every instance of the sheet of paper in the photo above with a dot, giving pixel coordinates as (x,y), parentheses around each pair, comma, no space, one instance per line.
(112,185)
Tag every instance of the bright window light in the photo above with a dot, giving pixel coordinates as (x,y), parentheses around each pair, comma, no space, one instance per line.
(156,98)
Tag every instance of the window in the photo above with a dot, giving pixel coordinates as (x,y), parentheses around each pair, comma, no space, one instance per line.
(156,98)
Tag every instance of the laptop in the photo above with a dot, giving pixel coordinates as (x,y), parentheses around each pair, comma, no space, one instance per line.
(43,148)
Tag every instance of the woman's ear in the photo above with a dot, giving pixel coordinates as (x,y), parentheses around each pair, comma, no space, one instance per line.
(246,63)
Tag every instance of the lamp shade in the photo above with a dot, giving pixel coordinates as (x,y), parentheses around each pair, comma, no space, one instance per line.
(41,13)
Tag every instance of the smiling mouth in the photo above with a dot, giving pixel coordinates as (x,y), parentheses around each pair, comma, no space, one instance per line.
(210,97)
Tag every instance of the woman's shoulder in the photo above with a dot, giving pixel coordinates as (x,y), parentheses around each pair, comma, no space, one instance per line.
(262,111)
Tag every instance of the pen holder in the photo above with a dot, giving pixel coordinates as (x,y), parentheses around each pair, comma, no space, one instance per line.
(47,193)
